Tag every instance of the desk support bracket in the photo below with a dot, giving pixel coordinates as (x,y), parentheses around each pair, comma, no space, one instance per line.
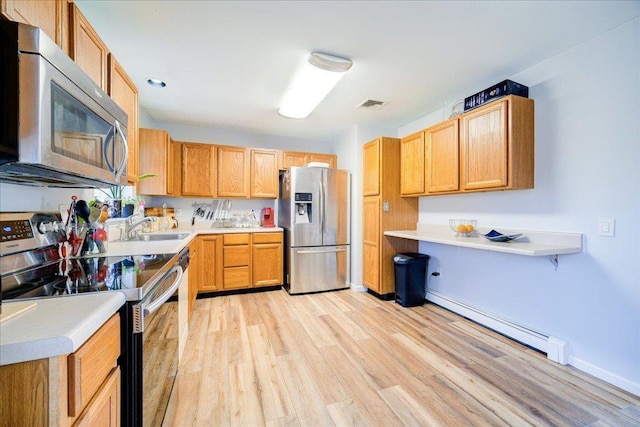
(554,260)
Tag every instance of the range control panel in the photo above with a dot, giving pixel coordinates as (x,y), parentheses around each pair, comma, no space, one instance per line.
(15,230)
(21,231)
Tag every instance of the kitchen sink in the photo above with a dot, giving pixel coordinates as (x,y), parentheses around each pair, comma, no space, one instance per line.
(155,237)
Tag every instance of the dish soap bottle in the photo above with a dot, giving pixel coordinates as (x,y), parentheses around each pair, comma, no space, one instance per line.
(165,223)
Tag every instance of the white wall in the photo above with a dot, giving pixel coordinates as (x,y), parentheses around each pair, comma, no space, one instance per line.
(587,112)
(21,198)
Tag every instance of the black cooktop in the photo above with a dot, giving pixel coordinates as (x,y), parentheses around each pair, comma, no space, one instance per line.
(80,275)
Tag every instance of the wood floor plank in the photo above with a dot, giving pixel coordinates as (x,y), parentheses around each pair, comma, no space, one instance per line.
(348,359)
(330,388)
(288,421)
(466,383)
(406,408)
(582,382)
(245,407)
(275,400)
(346,413)
(213,400)
(369,402)
(238,347)
(309,407)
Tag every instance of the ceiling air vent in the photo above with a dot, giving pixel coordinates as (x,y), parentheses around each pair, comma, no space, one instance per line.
(371,104)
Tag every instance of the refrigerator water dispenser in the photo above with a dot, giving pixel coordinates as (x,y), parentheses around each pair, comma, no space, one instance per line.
(303,208)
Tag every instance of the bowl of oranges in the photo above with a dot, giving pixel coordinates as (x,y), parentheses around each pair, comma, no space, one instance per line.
(463,227)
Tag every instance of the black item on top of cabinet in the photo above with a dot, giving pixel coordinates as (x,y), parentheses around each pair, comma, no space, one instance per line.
(410,273)
(507,87)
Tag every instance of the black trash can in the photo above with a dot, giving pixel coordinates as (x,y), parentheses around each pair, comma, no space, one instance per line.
(410,273)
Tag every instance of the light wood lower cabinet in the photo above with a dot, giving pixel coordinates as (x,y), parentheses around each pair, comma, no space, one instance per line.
(237,261)
(233,261)
(267,254)
(194,276)
(81,389)
(209,263)
(384,210)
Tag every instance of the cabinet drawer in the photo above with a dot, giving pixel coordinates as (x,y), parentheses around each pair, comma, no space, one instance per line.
(237,277)
(267,238)
(235,256)
(90,365)
(236,239)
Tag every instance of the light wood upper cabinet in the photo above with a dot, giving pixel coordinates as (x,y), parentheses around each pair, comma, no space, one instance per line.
(371,168)
(264,173)
(441,157)
(412,164)
(292,158)
(300,158)
(210,263)
(331,159)
(497,145)
(156,157)
(86,48)
(198,170)
(489,148)
(50,15)
(233,171)
(125,93)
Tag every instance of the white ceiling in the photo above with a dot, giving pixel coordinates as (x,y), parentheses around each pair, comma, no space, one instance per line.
(227,64)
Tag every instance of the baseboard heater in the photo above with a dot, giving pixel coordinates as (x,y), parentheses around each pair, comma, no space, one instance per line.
(555,348)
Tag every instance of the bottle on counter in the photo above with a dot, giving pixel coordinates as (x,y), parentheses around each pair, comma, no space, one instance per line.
(165,221)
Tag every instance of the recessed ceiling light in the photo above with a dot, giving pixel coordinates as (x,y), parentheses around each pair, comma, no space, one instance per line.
(156,82)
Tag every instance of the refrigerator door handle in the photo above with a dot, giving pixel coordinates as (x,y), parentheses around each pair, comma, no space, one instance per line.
(323,213)
(323,251)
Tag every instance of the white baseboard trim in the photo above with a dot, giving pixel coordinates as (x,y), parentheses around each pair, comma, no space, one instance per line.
(611,378)
(527,336)
(513,330)
(358,288)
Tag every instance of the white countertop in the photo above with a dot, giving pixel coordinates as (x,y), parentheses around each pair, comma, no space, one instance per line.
(533,243)
(60,325)
(174,246)
(55,326)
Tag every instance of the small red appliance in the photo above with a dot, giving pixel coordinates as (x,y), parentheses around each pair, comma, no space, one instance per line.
(267,217)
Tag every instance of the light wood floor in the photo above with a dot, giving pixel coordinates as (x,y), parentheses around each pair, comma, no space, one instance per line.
(347,359)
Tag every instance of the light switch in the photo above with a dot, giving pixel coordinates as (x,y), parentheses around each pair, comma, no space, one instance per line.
(385,206)
(607,227)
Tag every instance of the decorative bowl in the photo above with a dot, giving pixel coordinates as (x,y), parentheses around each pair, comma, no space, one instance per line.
(463,227)
(496,236)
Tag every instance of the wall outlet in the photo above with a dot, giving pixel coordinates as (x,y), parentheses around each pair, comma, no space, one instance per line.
(607,227)
(178,212)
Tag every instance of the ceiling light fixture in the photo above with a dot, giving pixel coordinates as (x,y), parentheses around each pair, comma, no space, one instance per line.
(156,82)
(320,73)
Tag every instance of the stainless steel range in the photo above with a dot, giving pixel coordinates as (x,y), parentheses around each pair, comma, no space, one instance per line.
(32,266)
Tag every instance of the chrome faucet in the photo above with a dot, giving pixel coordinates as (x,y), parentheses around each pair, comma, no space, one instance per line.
(131,231)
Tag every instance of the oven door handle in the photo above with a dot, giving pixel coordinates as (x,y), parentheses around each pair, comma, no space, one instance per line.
(155,305)
(142,310)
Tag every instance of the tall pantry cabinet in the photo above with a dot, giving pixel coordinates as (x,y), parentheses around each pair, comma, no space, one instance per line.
(383,209)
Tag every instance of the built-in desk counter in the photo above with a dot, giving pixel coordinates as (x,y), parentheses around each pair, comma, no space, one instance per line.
(533,243)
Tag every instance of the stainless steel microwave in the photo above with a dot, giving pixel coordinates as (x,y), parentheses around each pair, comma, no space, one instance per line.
(57,127)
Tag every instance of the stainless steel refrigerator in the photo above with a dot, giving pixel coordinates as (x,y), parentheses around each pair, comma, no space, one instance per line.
(313,210)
